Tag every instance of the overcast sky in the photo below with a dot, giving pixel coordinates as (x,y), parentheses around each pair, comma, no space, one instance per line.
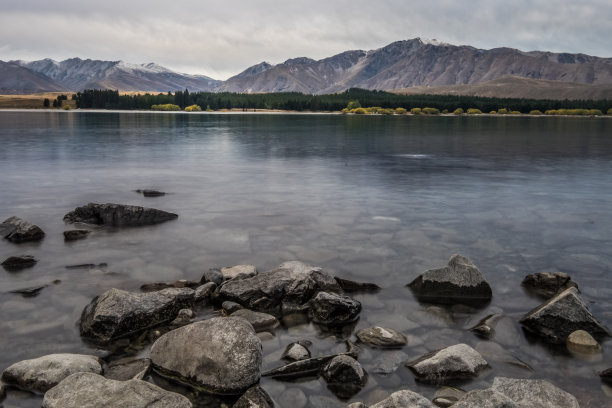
(221,38)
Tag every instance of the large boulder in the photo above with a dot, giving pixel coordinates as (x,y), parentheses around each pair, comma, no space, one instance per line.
(118,313)
(17,230)
(548,284)
(456,362)
(534,393)
(331,309)
(86,390)
(561,315)
(222,355)
(458,282)
(288,287)
(403,399)
(42,373)
(118,215)
(486,399)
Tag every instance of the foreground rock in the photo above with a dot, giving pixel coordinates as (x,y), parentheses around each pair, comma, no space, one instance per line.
(404,399)
(43,373)
(117,313)
(286,288)
(76,234)
(548,284)
(118,215)
(85,390)
(561,315)
(381,337)
(331,309)
(221,356)
(17,263)
(459,282)
(17,230)
(254,397)
(456,362)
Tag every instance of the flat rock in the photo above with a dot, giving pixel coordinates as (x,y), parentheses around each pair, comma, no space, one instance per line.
(42,373)
(581,341)
(296,351)
(128,369)
(17,230)
(118,215)
(561,315)
(76,234)
(244,271)
(260,321)
(331,309)
(456,362)
(404,399)
(32,291)
(534,393)
(86,390)
(221,355)
(288,287)
(350,286)
(459,282)
(155,286)
(548,284)
(254,397)
(17,263)
(151,193)
(118,313)
(381,337)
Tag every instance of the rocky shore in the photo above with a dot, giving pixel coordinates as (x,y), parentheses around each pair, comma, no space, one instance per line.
(201,358)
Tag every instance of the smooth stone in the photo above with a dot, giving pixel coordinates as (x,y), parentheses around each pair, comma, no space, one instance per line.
(16,230)
(42,373)
(204,292)
(381,337)
(76,234)
(404,399)
(548,284)
(292,397)
(118,215)
(581,341)
(86,390)
(331,309)
(17,263)
(451,363)
(260,321)
(534,393)
(184,317)
(212,275)
(221,355)
(561,315)
(254,397)
(243,271)
(350,286)
(388,362)
(447,396)
(344,369)
(459,282)
(487,399)
(128,369)
(296,351)
(230,307)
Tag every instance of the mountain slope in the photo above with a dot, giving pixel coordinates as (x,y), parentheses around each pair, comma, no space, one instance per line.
(15,79)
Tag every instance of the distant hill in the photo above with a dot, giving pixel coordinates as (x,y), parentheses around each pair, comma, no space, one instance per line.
(15,79)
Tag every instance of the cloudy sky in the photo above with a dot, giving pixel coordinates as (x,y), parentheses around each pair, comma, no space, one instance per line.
(221,38)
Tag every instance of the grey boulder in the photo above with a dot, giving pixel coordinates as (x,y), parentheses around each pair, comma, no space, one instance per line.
(548,284)
(486,399)
(17,230)
(344,375)
(381,337)
(458,282)
(221,356)
(534,393)
(456,362)
(128,369)
(331,309)
(260,321)
(297,351)
(86,390)
(404,399)
(118,215)
(17,263)
(561,315)
(254,397)
(118,313)
(42,373)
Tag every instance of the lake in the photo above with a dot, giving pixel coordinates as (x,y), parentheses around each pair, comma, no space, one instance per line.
(370,198)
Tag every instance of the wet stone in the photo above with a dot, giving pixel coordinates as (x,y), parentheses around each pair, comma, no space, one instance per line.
(155,286)
(254,397)
(606,375)
(29,292)
(388,362)
(230,307)
(350,286)
(297,351)
(581,341)
(204,292)
(76,234)
(151,193)
(292,397)
(128,368)
(260,321)
(16,230)
(212,275)
(451,363)
(17,263)
(184,317)
(381,337)
(332,309)
(118,215)
(548,284)
(404,398)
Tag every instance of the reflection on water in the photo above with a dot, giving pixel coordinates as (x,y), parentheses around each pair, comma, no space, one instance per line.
(368,198)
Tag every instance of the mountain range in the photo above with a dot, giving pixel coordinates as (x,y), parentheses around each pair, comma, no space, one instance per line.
(402,66)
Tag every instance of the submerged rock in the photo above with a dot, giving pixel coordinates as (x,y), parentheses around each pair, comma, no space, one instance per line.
(222,355)
(582,342)
(561,315)
(459,282)
(456,362)
(155,286)
(344,375)
(151,193)
(118,215)
(254,397)
(128,369)
(606,375)
(350,286)
(17,263)
(29,292)
(118,313)
(86,390)
(259,321)
(42,373)
(331,309)
(404,399)
(73,235)
(17,230)
(548,284)
(381,337)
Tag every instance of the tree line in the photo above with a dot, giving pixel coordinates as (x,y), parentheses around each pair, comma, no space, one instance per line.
(111,99)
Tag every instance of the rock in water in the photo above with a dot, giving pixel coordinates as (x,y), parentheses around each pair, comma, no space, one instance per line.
(118,215)
(222,355)
(297,351)
(344,375)
(254,397)
(534,393)
(117,313)
(381,337)
(485,398)
(455,362)
(17,263)
(41,374)
(331,309)
(350,286)
(76,234)
(548,284)
(259,321)
(561,315)
(459,282)
(17,230)
(86,390)
(403,399)
(128,368)
(581,341)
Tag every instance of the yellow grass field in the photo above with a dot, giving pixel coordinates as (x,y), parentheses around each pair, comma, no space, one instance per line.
(33,101)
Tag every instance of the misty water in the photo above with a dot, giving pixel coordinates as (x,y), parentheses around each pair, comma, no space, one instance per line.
(377,199)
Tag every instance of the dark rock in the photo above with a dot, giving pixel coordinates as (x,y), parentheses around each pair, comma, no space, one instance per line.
(485,327)
(29,292)
(128,369)
(254,397)
(459,282)
(2,391)
(288,287)
(184,317)
(238,271)
(204,292)
(41,374)
(117,313)
(259,321)
(87,390)
(344,375)
(333,310)
(297,351)
(17,263)
(606,375)
(548,284)
(404,399)
(212,275)
(534,393)
(221,355)
(73,235)
(230,307)
(456,362)
(151,193)
(561,315)
(87,266)
(17,230)
(118,215)
(155,286)
(350,286)
(381,337)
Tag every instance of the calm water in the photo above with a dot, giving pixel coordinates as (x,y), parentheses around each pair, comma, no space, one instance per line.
(368,198)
